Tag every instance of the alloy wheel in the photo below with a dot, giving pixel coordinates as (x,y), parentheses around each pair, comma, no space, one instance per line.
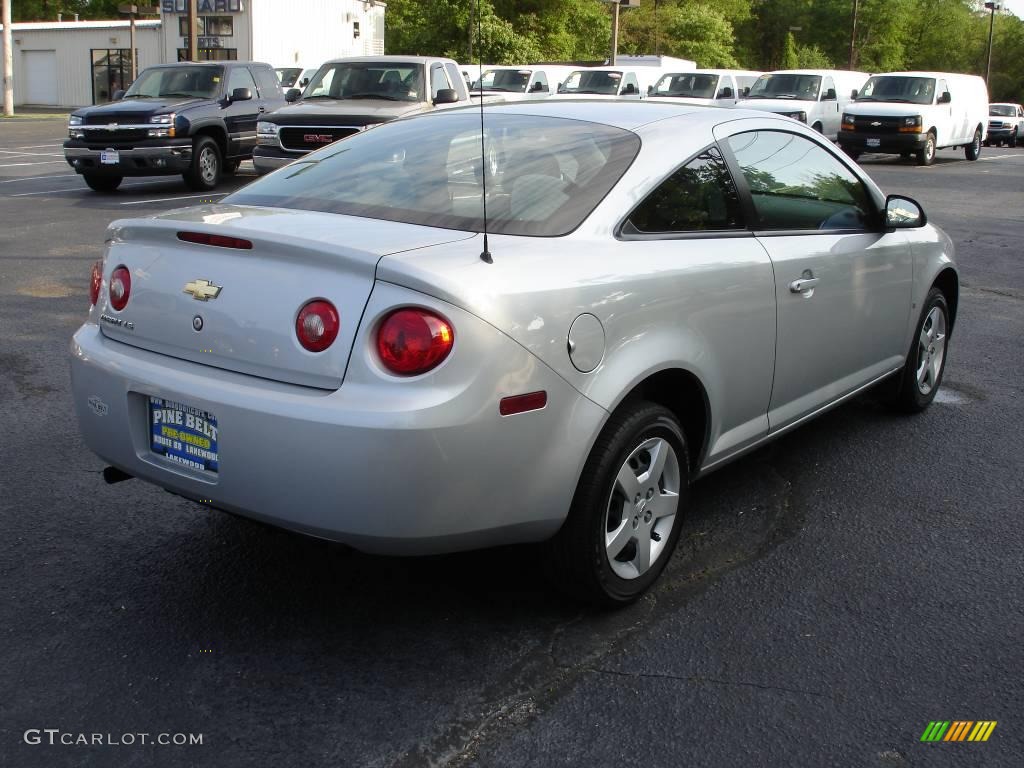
(931,350)
(208,165)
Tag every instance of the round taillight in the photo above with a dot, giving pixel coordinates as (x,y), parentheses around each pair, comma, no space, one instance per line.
(317,325)
(413,341)
(95,281)
(120,287)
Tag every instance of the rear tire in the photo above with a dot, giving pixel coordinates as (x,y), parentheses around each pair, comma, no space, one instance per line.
(101,182)
(914,387)
(204,174)
(973,150)
(611,548)
(926,155)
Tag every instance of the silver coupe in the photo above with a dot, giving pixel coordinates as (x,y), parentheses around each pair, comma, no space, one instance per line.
(338,349)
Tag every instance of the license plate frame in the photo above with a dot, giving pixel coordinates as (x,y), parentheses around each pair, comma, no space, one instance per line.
(110,157)
(874,142)
(185,435)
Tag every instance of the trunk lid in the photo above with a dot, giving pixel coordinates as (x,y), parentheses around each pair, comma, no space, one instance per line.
(249,326)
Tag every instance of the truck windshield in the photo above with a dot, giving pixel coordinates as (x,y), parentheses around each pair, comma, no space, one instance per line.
(199,81)
(803,87)
(288,75)
(687,85)
(1002,110)
(508,80)
(544,175)
(898,88)
(582,81)
(390,81)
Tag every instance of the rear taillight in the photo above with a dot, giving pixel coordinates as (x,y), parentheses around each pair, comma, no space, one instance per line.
(221,241)
(317,325)
(120,287)
(95,281)
(413,341)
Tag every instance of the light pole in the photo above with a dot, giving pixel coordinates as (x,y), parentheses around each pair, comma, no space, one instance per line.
(8,61)
(853,35)
(992,7)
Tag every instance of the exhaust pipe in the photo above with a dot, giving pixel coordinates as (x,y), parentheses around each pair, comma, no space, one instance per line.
(114,475)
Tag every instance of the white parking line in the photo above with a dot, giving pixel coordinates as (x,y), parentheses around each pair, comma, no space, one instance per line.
(83,189)
(42,146)
(168,199)
(37,178)
(31,154)
(42,162)
(1003,157)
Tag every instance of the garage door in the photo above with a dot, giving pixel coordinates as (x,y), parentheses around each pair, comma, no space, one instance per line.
(40,77)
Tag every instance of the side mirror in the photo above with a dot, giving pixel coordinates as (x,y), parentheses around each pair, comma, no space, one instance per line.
(746,91)
(538,87)
(854,93)
(725,93)
(446,96)
(241,94)
(304,82)
(292,95)
(650,89)
(630,89)
(945,98)
(830,95)
(903,213)
(118,95)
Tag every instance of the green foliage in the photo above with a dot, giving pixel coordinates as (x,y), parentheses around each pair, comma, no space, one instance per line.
(695,31)
(47,10)
(790,60)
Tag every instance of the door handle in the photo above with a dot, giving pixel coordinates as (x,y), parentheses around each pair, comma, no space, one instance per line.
(803,285)
(263,109)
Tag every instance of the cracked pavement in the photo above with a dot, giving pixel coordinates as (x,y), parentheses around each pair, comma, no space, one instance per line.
(831,593)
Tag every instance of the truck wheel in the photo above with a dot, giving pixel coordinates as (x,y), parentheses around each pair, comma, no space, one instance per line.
(926,155)
(102,183)
(973,150)
(1014,139)
(627,512)
(204,174)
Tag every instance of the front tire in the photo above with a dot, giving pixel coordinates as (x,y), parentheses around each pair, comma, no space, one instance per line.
(625,518)
(101,182)
(916,384)
(926,155)
(973,150)
(205,171)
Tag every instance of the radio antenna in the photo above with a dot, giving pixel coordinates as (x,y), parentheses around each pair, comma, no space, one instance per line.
(485,254)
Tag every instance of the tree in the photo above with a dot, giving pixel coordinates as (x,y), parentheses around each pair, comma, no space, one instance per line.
(695,31)
(790,59)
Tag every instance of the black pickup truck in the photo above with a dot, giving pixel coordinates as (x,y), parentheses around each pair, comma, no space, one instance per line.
(196,119)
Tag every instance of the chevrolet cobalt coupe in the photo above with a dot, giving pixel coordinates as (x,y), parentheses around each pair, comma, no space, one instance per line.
(334,349)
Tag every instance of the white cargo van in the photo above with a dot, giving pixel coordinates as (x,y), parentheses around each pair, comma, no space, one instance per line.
(520,83)
(813,96)
(608,82)
(915,113)
(713,87)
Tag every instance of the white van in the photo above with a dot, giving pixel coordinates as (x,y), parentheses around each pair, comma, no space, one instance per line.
(608,82)
(713,87)
(915,113)
(813,96)
(520,83)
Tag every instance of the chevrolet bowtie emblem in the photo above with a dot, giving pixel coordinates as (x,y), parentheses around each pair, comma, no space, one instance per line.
(202,290)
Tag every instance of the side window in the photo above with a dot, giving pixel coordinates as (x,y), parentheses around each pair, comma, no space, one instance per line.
(699,196)
(796,184)
(940,89)
(825,87)
(269,85)
(240,78)
(540,83)
(630,84)
(438,80)
(453,75)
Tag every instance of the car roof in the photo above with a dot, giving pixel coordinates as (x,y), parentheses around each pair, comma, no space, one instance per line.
(389,59)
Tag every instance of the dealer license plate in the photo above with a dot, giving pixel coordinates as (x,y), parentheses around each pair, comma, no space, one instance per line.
(874,142)
(109,157)
(183,434)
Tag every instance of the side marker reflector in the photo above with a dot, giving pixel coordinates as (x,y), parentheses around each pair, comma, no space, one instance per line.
(532,401)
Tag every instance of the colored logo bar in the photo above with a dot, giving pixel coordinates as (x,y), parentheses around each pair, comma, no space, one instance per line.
(958,730)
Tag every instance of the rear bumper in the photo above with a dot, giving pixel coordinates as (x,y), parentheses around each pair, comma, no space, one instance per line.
(270,158)
(169,157)
(888,143)
(417,469)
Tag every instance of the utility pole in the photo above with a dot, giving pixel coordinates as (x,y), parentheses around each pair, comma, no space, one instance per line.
(615,32)
(853,36)
(8,61)
(992,7)
(193,30)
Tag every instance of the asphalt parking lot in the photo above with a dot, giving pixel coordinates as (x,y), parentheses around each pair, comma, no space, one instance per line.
(831,594)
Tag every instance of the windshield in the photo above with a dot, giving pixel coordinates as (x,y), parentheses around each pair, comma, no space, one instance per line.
(606,83)
(391,81)
(688,85)
(200,81)
(288,75)
(803,87)
(511,80)
(544,175)
(898,88)
(1002,110)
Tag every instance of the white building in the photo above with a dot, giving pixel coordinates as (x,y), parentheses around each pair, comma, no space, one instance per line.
(74,63)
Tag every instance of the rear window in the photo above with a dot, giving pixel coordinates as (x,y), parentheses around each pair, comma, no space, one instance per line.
(544,174)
